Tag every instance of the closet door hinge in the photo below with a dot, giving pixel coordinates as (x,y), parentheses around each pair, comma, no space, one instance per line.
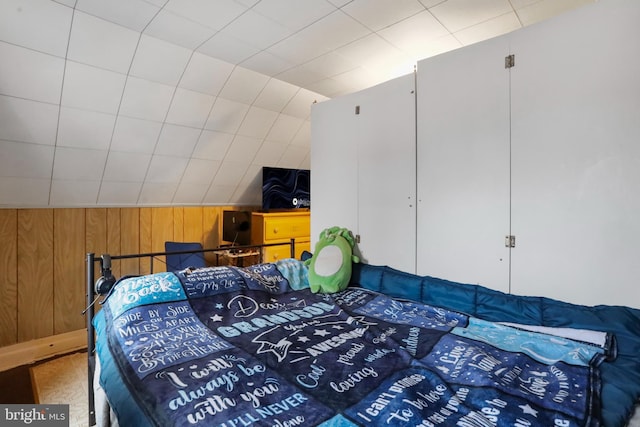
(509,61)
(510,241)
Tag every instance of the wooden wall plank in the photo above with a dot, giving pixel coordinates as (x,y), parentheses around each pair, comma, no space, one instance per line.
(35,278)
(113,238)
(130,239)
(96,231)
(161,231)
(145,239)
(211,216)
(69,280)
(193,225)
(178,224)
(8,276)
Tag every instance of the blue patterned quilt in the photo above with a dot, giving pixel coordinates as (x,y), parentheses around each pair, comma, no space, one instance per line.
(227,346)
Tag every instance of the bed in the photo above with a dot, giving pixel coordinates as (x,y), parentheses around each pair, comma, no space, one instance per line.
(253,346)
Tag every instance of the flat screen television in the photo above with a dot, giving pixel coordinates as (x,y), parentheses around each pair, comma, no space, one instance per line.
(285,189)
(236,227)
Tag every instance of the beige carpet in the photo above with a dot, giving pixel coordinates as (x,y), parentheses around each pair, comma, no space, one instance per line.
(64,380)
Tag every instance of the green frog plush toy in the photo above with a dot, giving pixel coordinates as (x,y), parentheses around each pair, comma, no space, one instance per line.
(330,265)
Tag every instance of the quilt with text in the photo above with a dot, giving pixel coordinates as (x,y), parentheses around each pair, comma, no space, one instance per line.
(229,346)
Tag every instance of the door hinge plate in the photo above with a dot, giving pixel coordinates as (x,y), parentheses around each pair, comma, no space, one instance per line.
(510,61)
(510,241)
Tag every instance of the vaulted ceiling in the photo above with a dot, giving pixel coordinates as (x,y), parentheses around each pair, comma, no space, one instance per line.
(181,102)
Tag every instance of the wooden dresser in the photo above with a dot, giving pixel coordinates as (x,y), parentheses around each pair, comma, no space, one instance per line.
(281,227)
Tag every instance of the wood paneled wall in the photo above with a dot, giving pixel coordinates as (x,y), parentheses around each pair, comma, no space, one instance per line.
(43,252)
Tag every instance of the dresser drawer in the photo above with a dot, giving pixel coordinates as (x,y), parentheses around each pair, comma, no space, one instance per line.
(275,253)
(286,228)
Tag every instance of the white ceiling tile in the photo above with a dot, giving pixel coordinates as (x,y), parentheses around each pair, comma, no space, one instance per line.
(70,3)
(101,43)
(256,30)
(294,14)
(431,3)
(247,194)
(74,193)
(135,135)
(226,116)
(270,152)
(177,141)
(335,62)
(190,108)
(266,63)
(244,85)
(488,29)
(248,3)
(206,74)
(126,167)
(438,46)
(544,9)
(219,194)
(215,14)
(190,193)
(92,88)
(303,135)
(230,173)
(378,14)
(159,61)
(284,128)
(166,169)
(176,29)
(301,75)
(200,171)
(333,31)
(412,34)
(372,48)
(19,159)
(228,48)
(330,87)
(212,145)
(25,73)
(85,129)
(133,14)
(37,24)
(300,104)
(458,14)
(242,149)
(275,95)
(358,79)
(24,192)
(293,156)
(257,122)
(145,99)
(297,49)
(28,121)
(78,164)
(119,193)
(154,193)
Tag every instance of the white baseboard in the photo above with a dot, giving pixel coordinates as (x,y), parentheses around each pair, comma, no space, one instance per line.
(29,352)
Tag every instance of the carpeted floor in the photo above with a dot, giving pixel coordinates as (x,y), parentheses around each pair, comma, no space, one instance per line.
(64,380)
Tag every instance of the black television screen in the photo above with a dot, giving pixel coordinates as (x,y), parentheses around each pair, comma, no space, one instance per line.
(284,188)
(236,227)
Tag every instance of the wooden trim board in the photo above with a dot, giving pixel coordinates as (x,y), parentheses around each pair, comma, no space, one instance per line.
(29,352)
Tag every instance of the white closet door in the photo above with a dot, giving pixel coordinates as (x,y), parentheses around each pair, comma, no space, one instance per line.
(363,170)
(463,158)
(576,156)
(334,160)
(387,174)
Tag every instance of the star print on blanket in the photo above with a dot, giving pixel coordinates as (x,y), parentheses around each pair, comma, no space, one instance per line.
(238,347)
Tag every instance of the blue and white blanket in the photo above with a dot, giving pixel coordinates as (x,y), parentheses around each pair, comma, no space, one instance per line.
(229,347)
